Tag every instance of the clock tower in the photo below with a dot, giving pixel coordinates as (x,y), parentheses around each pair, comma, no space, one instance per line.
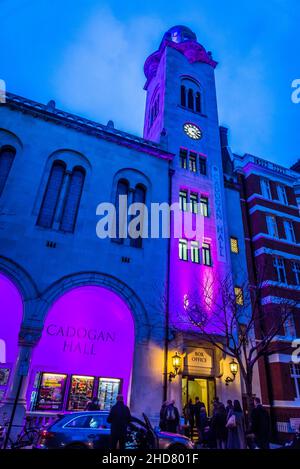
(181,112)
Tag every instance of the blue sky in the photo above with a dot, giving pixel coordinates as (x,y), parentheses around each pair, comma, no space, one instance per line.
(88,55)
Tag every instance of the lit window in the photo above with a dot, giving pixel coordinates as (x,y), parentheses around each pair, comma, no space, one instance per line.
(265,188)
(202,165)
(206,254)
(239,297)
(183,249)
(194,202)
(296,270)
(183,158)
(272,226)
(183,200)
(280,269)
(281,191)
(195,254)
(204,206)
(234,245)
(289,231)
(193,162)
(295,374)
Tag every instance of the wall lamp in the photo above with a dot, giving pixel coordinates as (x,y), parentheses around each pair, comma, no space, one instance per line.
(233,365)
(176,363)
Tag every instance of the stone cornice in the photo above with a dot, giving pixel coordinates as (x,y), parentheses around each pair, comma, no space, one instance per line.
(87,126)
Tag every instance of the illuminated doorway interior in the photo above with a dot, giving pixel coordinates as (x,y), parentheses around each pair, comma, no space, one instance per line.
(204,388)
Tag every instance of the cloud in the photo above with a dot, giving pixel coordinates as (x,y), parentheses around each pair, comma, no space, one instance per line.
(246,101)
(101,74)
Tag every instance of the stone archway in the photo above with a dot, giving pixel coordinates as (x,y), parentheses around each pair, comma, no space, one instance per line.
(91,324)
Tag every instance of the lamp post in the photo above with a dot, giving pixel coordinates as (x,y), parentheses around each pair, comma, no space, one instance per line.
(233,365)
(176,363)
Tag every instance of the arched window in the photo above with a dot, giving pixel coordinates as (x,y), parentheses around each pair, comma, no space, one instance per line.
(7,155)
(138,197)
(183,96)
(72,200)
(190,94)
(191,99)
(121,213)
(51,196)
(198,101)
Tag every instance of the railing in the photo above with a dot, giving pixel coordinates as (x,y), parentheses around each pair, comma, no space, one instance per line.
(40,419)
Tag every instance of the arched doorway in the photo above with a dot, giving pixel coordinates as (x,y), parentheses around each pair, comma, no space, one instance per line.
(86,350)
(11,313)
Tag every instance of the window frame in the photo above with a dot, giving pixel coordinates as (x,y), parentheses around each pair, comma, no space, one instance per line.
(234,239)
(206,254)
(195,252)
(279,265)
(183,249)
(265,188)
(272,226)
(204,206)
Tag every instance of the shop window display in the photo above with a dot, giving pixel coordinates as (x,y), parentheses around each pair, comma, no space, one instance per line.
(51,391)
(81,392)
(108,390)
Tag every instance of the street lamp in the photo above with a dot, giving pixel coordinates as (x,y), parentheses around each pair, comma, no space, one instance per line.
(176,362)
(233,365)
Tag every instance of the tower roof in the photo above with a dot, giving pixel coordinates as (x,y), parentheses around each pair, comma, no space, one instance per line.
(179,34)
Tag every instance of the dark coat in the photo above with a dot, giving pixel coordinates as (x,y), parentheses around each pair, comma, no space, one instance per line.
(119,417)
(171,425)
(200,416)
(236,436)
(218,425)
(260,426)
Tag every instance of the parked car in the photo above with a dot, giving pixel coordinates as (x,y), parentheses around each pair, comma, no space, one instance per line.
(90,430)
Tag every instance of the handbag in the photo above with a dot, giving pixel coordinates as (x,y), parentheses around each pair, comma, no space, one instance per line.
(231,422)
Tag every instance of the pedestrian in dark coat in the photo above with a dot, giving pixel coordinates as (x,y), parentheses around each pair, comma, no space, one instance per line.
(119,417)
(189,416)
(218,426)
(229,407)
(162,422)
(236,427)
(260,425)
(171,417)
(201,420)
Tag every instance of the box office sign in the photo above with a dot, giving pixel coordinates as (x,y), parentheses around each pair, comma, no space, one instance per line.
(199,361)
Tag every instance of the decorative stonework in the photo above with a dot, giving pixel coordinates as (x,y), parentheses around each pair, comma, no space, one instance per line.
(193,51)
(87,126)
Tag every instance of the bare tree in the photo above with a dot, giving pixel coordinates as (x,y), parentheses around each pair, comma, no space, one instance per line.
(237,322)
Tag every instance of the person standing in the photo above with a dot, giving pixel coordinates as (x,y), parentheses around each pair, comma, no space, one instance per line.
(236,427)
(218,426)
(260,425)
(189,417)
(200,418)
(119,417)
(171,417)
(162,422)
(229,406)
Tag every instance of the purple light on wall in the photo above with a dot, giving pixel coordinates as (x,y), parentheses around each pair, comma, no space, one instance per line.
(11,312)
(88,331)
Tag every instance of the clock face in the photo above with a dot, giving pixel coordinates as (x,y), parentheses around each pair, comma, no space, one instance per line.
(192,131)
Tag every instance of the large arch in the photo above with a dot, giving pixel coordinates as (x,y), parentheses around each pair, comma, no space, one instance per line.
(91,321)
(11,316)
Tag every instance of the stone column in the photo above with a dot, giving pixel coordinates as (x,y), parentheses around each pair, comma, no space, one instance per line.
(16,394)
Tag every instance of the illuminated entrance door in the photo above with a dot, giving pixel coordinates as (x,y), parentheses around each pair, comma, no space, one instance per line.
(204,388)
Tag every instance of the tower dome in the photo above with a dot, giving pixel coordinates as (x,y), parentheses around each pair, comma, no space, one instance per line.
(180,34)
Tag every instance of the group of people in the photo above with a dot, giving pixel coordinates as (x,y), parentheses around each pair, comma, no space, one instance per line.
(226,429)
